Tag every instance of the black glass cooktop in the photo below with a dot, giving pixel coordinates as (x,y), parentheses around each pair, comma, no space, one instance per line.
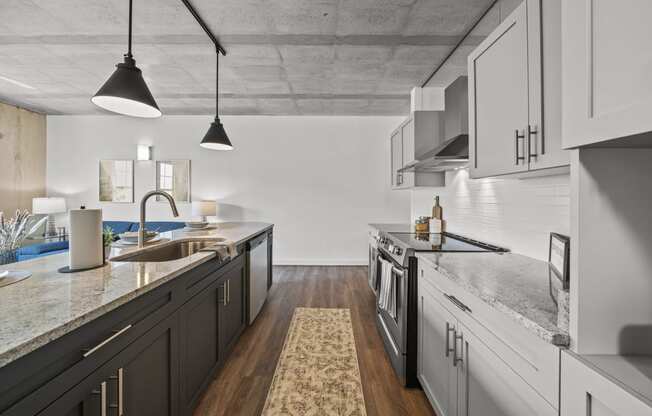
(443,242)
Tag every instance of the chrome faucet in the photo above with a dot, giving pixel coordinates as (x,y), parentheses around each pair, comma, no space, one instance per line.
(143,203)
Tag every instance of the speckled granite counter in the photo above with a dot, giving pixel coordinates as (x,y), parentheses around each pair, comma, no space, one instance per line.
(517,285)
(49,304)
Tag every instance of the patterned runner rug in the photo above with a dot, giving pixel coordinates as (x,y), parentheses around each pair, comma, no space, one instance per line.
(317,373)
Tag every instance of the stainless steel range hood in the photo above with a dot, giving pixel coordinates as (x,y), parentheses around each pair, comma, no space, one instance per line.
(453,149)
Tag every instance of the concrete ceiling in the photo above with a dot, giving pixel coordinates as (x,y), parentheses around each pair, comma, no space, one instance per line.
(317,57)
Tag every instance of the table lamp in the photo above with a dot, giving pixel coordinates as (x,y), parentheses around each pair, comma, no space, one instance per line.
(49,206)
(204,209)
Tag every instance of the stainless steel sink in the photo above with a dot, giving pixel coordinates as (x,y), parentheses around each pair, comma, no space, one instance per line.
(168,251)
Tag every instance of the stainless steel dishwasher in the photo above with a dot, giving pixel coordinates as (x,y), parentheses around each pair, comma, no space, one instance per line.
(258,275)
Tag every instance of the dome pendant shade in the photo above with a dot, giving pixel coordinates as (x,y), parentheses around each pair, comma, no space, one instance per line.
(216,138)
(126,92)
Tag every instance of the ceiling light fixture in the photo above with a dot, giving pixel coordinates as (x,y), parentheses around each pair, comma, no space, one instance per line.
(126,92)
(216,137)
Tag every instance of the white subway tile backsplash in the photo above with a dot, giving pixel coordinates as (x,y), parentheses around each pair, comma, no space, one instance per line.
(515,213)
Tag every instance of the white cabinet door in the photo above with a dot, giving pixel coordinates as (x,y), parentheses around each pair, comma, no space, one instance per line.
(544,137)
(606,74)
(489,387)
(585,392)
(407,131)
(408,156)
(498,99)
(435,368)
(397,157)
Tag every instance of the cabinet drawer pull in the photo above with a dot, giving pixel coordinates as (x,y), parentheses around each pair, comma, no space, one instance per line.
(518,136)
(449,328)
(120,392)
(457,359)
(103,398)
(106,341)
(457,303)
(530,132)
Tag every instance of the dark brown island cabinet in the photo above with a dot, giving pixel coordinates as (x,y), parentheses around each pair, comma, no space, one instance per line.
(154,355)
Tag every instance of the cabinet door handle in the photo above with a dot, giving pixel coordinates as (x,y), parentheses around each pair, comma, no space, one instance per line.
(457,359)
(228,292)
(457,302)
(449,328)
(530,132)
(120,392)
(518,136)
(224,294)
(106,341)
(103,398)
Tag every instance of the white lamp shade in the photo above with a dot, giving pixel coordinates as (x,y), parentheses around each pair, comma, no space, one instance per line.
(204,208)
(48,205)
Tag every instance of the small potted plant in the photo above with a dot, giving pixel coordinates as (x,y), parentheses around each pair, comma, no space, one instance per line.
(108,237)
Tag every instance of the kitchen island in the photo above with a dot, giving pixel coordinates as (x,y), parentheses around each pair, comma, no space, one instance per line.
(81,343)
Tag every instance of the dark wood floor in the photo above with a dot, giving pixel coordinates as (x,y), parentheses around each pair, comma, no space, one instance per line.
(241,387)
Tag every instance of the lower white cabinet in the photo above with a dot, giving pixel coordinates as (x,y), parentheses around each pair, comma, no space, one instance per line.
(586,392)
(487,386)
(460,372)
(435,369)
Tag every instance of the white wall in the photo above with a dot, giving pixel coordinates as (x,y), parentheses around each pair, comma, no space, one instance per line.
(319,179)
(515,213)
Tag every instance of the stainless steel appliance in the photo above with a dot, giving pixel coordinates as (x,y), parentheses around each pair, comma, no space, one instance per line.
(258,275)
(397,324)
(452,149)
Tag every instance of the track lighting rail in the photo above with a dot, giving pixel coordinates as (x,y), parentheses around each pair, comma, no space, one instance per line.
(203,25)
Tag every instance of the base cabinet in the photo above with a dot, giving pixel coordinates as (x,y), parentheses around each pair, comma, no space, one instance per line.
(463,373)
(231,314)
(140,380)
(153,356)
(487,386)
(586,392)
(435,369)
(199,345)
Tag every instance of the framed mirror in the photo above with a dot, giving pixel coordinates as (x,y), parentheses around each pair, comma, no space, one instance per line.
(173,177)
(117,181)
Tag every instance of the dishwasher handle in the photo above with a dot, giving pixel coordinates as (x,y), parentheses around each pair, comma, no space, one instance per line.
(256,241)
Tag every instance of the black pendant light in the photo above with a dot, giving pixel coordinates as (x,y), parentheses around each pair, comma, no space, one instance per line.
(216,138)
(126,92)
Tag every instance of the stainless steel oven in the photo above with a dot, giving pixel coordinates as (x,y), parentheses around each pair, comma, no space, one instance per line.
(393,325)
(398,328)
(373,262)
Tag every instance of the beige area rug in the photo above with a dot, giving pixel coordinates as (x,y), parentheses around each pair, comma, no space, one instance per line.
(317,373)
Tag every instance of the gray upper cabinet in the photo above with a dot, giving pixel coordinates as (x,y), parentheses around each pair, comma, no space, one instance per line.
(416,135)
(606,74)
(396,158)
(514,122)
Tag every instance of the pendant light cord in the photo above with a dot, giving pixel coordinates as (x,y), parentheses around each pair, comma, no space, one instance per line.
(130,18)
(217,83)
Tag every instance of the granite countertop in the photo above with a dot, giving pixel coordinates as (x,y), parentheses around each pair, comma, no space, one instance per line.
(519,286)
(50,304)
